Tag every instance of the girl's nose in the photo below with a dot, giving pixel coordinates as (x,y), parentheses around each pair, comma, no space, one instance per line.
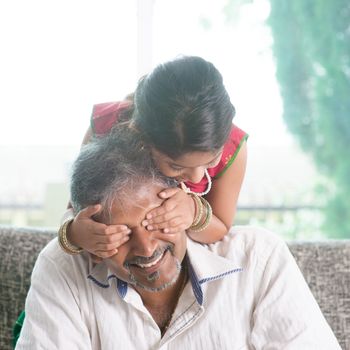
(195,175)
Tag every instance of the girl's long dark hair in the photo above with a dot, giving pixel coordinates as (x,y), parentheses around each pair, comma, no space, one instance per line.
(182,106)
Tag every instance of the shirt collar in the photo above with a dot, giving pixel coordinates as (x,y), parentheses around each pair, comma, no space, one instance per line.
(206,266)
(203,265)
(102,276)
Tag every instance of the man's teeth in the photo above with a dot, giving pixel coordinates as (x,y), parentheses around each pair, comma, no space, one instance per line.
(151,263)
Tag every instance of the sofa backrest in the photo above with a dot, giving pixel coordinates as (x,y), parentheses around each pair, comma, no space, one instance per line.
(19,248)
(326,268)
(325,265)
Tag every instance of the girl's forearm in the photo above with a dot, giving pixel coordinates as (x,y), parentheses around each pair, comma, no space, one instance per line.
(215,231)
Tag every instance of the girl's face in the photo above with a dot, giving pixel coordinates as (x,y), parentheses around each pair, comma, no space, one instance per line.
(188,167)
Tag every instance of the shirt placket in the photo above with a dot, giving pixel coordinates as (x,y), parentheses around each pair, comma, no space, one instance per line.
(186,314)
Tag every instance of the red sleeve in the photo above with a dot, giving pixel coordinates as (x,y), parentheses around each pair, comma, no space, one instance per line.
(105,115)
(229,154)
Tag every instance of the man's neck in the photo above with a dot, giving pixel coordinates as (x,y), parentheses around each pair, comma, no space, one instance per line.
(162,304)
(166,296)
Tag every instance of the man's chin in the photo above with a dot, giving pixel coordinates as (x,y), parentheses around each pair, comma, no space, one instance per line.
(156,281)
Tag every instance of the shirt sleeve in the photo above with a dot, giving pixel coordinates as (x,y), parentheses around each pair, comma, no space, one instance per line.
(53,318)
(286,315)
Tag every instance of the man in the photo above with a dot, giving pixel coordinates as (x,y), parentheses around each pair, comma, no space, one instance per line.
(164,291)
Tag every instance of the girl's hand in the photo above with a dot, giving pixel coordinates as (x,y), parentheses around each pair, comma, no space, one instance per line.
(174,215)
(99,239)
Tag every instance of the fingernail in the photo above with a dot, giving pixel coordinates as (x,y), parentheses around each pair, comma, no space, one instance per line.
(149,227)
(126,238)
(162,194)
(128,232)
(149,216)
(166,230)
(144,223)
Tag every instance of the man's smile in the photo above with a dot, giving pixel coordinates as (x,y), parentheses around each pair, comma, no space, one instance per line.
(148,264)
(151,263)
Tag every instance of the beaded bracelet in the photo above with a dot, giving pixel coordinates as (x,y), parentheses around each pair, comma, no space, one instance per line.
(63,241)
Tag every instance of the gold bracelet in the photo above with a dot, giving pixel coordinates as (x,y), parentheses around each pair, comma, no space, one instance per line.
(203,224)
(203,216)
(199,210)
(63,240)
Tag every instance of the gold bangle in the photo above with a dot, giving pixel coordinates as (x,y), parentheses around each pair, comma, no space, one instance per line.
(63,240)
(202,218)
(203,224)
(199,210)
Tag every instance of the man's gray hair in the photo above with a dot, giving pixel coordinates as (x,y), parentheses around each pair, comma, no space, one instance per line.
(111,166)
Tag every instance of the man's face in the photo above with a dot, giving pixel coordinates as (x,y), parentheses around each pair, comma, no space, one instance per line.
(149,260)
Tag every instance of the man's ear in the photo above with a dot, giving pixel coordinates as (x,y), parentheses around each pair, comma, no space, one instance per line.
(104,216)
(100,217)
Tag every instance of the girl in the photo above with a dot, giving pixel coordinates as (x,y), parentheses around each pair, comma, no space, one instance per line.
(184,114)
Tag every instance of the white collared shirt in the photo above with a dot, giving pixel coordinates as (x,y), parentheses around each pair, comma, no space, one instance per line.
(245,292)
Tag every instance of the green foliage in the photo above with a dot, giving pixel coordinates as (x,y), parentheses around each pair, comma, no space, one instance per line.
(311,45)
(312,52)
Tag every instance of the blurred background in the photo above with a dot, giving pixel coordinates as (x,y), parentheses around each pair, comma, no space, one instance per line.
(286,66)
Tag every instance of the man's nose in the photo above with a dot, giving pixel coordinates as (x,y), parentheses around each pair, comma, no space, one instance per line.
(143,242)
(195,175)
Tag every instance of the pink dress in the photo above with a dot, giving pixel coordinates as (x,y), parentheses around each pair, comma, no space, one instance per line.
(105,115)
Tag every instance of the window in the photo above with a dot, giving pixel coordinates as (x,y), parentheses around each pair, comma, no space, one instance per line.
(61,58)
(58,59)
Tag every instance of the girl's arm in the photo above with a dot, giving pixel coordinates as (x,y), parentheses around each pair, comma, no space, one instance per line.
(87,136)
(86,140)
(223,198)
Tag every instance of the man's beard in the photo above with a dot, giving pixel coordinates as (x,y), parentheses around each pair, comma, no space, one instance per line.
(155,276)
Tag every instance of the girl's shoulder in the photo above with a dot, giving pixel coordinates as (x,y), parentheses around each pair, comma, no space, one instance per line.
(105,115)
(231,148)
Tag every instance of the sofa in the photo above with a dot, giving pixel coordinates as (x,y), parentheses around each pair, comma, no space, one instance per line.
(325,265)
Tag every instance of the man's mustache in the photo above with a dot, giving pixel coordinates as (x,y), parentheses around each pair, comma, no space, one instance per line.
(145,260)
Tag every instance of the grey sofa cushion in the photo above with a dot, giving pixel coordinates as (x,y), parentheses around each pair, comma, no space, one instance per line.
(19,249)
(326,267)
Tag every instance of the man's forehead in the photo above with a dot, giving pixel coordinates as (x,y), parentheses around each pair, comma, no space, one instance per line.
(135,200)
